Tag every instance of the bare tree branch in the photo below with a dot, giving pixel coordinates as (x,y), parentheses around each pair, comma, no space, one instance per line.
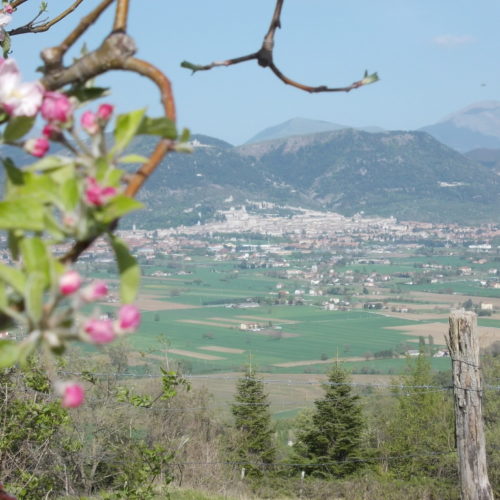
(264,57)
(31,28)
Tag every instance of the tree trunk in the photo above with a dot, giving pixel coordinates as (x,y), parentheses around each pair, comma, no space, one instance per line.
(464,351)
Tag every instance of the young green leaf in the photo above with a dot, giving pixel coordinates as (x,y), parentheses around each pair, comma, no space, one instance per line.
(158,126)
(13,277)
(69,194)
(35,288)
(133,158)
(117,207)
(22,213)
(18,127)
(36,257)
(9,352)
(126,128)
(128,268)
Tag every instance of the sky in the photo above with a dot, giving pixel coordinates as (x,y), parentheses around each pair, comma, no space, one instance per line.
(433,57)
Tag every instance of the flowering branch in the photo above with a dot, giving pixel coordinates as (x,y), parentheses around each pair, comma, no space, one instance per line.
(264,57)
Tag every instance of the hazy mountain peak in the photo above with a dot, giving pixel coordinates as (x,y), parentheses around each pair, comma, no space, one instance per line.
(475,126)
(301,126)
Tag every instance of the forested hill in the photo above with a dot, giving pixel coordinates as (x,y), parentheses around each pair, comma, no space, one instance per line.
(409,175)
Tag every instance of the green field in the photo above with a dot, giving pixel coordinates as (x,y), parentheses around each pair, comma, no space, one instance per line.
(287,334)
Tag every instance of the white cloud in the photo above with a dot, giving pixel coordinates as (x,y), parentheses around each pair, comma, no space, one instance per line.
(453,40)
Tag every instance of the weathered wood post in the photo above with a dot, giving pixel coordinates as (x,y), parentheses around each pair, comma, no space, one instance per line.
(464,351)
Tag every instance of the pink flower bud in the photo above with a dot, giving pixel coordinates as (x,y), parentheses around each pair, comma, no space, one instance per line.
(56,107)
(8,9)
(129,318)
(52,132)
(95,291)
(69,282)
(105,111)
(37,147)
(73,395)
(88,121)
(100,331)
(97,195)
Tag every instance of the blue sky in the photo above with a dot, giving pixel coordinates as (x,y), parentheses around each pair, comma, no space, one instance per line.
(433,57)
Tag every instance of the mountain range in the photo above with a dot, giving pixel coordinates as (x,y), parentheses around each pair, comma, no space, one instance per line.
(325,166)
(409,175)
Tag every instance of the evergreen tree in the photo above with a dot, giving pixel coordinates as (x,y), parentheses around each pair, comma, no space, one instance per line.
(253,422)
(421,431)
(329,440)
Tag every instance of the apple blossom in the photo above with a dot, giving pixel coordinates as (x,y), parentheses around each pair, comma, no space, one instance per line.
(37,147)
(69,282)
(8,9)
(95,291)
(88,121)
(16,98)
(98,195)
(105,111)
(73,394)
(129,318)
(100,331)
(56,107)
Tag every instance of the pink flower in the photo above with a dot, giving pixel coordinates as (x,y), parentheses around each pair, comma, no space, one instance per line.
(97,195)
(69,282)
(100,330)
(56,107)
(105,111)
(16,98)
(129,318)
(37,147)
(95,291)
(88,121)
(8,9)
(73,396)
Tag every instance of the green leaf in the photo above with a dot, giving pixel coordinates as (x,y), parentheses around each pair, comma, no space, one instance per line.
(133,159)
(158,126)
(9,352)
(24,213)
(52,162)
(34,295)
(126,128)
(15,175)
(117,207)
(36,257)
(13,277)
(84,94)
(69,194)
(193,67)
(3,297)
(130,273)
(367,79)
(18,127)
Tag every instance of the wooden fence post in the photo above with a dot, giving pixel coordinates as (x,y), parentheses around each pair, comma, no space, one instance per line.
(464,351)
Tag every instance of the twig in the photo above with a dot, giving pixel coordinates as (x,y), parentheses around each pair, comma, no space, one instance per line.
(264,57)
(121,15)
(30,28)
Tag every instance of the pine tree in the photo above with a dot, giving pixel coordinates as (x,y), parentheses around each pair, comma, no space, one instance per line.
(329,440)
(253,422)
